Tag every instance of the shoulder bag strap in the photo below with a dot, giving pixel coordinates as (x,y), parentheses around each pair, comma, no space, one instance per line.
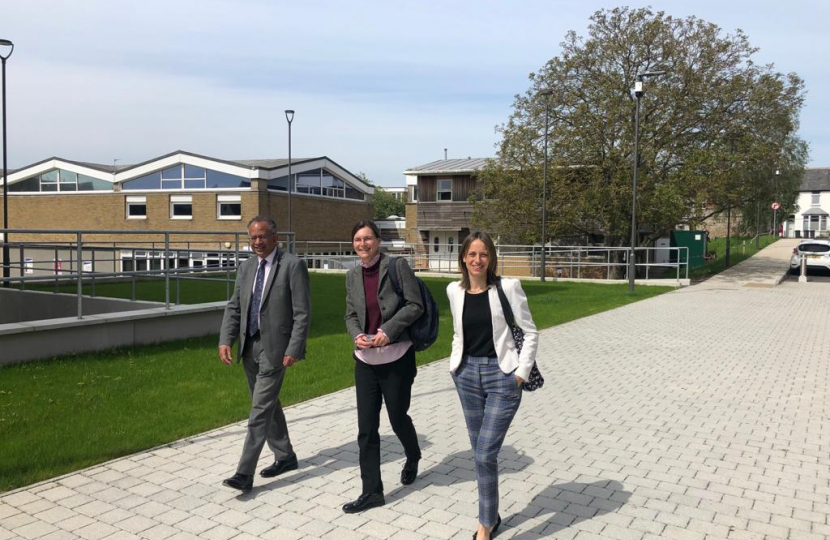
(505,306)
(393,275)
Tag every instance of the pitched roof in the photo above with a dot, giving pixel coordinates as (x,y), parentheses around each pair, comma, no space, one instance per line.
(449,166)
(817,179)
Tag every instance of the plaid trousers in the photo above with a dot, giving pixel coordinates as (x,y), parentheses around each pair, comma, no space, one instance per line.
(490,399)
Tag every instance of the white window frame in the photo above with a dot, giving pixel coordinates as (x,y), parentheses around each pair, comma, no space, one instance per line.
(816,198)
(181,199)
(439,191)
(135,199)
(224,199)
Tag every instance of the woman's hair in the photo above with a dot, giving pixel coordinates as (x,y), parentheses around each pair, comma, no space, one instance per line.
(366,223)
(492,278)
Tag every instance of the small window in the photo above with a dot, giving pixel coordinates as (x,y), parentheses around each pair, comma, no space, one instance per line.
(450,242)
(229,207)
(136,207)
(436,244)
(444,190)
(816,198)
(413,193)
(181,207)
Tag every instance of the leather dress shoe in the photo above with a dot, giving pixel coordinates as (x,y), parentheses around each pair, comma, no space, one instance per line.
(409,472)
(364,502)
(242,482)
(279,467)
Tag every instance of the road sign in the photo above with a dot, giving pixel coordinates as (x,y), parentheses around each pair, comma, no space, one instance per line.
(775,206)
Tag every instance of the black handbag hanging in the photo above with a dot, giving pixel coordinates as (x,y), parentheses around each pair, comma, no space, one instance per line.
(534,380)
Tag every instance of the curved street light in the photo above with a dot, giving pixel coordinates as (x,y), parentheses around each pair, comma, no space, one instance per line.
(289,115)
(5,44)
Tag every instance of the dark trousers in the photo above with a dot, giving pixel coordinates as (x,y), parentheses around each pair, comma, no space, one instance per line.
(391,383)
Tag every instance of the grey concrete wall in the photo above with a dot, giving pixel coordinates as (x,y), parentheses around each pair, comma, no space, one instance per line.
(21,306)
(43,339)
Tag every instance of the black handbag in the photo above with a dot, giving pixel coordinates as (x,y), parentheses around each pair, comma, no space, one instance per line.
(534,380)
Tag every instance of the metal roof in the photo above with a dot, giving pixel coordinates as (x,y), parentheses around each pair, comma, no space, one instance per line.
(449,166)
(817,179)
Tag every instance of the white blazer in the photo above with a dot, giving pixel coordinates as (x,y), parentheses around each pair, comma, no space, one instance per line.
(502,336)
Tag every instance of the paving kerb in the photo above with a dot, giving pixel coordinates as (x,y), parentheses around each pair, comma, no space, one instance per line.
(697,414)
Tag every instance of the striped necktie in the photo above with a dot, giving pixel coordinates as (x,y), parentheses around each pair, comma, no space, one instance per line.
(253,312)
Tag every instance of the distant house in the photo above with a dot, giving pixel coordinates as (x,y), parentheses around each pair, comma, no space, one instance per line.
(438,211)
(810,221)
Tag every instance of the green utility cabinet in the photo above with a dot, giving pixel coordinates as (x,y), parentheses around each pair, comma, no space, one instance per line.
(695,241)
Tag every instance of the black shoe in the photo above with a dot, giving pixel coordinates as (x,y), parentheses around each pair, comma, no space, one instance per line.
(409,472)
(495,528)
(242,482)
(364,502)
(280,467)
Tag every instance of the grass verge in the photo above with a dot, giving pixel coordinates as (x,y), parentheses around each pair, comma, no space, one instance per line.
(741,248)
(64,414)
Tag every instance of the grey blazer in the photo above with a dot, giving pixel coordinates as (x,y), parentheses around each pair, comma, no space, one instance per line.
(285,312)
(396,321)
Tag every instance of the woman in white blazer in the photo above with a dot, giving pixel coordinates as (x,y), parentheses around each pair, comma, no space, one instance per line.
(487,371)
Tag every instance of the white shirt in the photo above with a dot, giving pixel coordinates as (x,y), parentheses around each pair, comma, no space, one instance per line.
(268,265)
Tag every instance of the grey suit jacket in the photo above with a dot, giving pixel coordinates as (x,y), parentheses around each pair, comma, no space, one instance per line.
(396,321)
(285,311)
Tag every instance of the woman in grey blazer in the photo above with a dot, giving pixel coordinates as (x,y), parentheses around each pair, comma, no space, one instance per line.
(378,319)
(486,369)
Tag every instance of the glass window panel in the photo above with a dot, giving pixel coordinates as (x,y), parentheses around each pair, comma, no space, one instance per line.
(88,183)
(172,172)
(194,184)
(191,171)
(816,198)
(216,179)
(331,181)
(151,181)
(68,177)
(137,209)
(68,187)
(280,184)
(49,177)
(230,209)
(182,209)
(352,193)
(171,184)
(30,185)
(48,187)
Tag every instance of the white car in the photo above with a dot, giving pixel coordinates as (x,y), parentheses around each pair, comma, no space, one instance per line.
(816,252)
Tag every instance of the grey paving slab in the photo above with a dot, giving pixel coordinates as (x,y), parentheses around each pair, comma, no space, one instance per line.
(696,415)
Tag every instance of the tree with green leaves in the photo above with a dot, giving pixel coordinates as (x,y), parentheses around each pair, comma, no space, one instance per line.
(387,204)
(713,129)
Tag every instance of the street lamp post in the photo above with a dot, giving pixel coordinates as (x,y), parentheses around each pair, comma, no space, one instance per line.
(546,94)
(289,115)
(4,45)
(638,94)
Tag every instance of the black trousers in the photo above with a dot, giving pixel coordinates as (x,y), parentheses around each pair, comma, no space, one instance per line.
(391,383)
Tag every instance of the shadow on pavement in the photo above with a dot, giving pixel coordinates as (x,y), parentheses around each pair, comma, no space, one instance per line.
(568,504)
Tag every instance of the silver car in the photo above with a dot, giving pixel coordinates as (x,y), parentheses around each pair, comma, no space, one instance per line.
(815,252)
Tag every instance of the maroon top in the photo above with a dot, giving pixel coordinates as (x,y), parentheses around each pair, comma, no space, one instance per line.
(371,279)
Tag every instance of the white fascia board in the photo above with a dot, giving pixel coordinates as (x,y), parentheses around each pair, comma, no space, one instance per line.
(296,168)
(58,164)
(321,163)
(411,179)
(176,159)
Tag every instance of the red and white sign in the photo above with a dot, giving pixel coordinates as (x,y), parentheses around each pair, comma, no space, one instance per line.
(775,206)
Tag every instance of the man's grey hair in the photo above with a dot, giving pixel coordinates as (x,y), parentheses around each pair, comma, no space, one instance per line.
(272,225)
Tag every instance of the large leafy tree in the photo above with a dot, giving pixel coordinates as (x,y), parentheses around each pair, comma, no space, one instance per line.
(713,131)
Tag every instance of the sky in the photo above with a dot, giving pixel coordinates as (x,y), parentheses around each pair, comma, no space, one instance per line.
(377,86)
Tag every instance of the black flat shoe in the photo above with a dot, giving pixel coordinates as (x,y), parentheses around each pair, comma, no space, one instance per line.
(495,528)
(242,482)
(364,502)
(409,472)
(280,467)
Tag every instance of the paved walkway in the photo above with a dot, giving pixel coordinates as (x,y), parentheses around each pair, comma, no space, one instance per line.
(702,413)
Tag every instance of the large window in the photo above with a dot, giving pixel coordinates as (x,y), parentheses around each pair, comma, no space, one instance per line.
(60,180)
(229,207)
(317,182)
(136,207)
(188,177)
(444,189)
(181,207)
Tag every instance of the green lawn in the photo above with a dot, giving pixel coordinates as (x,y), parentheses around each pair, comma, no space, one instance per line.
(741,248)
(64,414)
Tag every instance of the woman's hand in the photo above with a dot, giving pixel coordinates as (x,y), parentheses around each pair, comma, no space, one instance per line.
(519,381)
(363,342)
(380,339)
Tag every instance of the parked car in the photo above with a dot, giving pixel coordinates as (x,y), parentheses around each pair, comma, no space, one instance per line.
(816,253)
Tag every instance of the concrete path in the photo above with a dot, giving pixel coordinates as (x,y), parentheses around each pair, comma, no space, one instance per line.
(702,413)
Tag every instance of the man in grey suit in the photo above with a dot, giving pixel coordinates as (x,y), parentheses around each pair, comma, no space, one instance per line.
(269,313)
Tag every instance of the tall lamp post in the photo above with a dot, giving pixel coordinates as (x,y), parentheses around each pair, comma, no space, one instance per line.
(638,94)
(545,94)
(5,45)
(289,115)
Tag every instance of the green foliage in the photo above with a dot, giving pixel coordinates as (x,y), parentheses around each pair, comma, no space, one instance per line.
(713,130)
(386,204)
(60,415)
